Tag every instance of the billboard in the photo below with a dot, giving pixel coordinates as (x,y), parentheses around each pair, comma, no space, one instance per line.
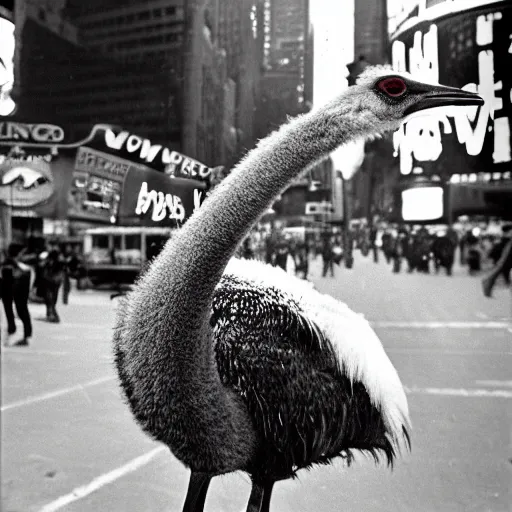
(472,50)
(7,105)
(111,176)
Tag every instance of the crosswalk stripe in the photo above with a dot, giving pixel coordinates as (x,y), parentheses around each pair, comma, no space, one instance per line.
(472,393)
(441,325)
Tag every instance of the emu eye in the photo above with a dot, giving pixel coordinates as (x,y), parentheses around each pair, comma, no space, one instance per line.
(393,87)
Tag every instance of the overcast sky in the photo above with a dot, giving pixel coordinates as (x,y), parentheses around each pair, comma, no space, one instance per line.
(333,22)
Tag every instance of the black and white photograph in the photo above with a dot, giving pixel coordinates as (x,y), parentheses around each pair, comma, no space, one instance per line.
(255,255)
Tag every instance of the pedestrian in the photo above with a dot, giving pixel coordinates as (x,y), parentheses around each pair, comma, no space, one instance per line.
(282,252)
(15,283)
(52,277)
(247,249)
(301,260)
(328,257)
(373,243)
(503,267)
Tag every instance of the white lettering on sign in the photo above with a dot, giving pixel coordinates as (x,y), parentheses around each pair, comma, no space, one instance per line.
(422,138)
(175,163)
(163,205)
(40,132)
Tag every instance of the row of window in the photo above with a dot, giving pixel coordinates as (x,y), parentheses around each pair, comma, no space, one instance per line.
(96,35)
(142,42)
(123,19)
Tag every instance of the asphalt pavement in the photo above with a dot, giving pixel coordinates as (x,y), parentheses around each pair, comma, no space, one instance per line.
(70,444)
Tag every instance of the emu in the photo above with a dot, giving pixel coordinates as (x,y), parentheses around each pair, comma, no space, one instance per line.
(238,366)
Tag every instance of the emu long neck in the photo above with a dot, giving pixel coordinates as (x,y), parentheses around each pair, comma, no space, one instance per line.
(170,308)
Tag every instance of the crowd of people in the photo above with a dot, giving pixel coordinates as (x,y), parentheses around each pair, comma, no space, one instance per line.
(35,272)
(410,249)
(38,272)
(423,250)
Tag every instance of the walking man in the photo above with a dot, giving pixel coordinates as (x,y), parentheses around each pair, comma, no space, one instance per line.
(15,282)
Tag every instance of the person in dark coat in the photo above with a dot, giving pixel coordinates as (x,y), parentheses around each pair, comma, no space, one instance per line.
(282,252)
(52,277)
(443,250)
(247,249)
(503,266)
(15,284)
(328,257)
(301,260)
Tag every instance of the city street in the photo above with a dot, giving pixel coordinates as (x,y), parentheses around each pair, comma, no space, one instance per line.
(69,442)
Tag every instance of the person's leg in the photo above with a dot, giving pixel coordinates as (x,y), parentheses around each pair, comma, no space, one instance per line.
(21,294)
(47,295)
(66,288)
(55,296)
(7,300)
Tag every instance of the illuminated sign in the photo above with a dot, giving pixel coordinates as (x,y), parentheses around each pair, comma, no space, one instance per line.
(156,156)
(421,204)
(7,105)
(95,191)
(472,52)
(25,184)
(150,198)
(38,132)
(163,206)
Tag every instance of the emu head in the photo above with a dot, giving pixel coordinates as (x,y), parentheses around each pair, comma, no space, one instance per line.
(383,99)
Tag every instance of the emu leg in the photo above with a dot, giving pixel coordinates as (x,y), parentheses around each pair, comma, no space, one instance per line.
(196,494)
(259,501)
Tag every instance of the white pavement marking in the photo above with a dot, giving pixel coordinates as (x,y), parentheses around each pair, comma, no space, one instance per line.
(53,394)
(31,352)
(441,325)
(446,352)
(107,478)
(495,383)
(459,392)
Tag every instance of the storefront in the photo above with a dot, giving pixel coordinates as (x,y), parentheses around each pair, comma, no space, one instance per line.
(461,158)
(51,184)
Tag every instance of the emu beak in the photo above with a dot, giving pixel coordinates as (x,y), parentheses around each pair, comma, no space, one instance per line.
(441,96)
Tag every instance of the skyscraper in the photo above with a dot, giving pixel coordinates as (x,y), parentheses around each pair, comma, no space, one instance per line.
(287,80)
(371,30)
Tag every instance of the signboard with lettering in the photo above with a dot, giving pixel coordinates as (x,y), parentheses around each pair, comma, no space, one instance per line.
(471,50)
(156,156)
(111,176)
(97,184)
(151,198)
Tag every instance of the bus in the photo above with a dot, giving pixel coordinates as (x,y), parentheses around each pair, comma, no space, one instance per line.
(116,255)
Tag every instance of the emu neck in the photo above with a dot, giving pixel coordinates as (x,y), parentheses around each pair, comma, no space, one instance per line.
(168,337)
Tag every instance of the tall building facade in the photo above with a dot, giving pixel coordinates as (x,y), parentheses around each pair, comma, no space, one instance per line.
(287,59)
(370,191)
(371,30)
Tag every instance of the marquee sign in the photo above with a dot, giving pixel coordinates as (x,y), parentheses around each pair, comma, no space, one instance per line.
(111,176)
(25,184)
(155,156)
(471,50)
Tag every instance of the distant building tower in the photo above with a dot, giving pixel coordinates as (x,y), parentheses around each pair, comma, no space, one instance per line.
(287,80)
(371,45)
(371,30)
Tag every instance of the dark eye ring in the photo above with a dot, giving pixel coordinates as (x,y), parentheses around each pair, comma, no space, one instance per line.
(393,86)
